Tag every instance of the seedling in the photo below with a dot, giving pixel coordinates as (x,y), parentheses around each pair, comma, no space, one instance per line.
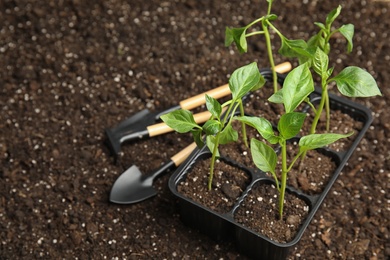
(298,85)
(218,129)
(351,81)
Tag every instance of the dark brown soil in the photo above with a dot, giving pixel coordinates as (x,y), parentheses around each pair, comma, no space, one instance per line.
(258,213)
(313,175)
(342,123)
(227,185)
(70,69)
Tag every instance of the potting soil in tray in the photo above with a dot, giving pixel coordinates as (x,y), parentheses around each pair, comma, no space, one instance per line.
(230,224)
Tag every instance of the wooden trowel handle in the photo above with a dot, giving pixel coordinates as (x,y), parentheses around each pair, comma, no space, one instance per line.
(162,128)
(178,158)
(222,91)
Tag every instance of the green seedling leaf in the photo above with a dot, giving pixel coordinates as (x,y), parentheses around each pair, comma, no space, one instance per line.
(348,31)
(243,80)
(260,84)
(271,17)
(210,142)
(356,82)
(290,124)
(213,106)
(197,135)
(321,63)
(332,16)
(314,141)
(297,86)
(181,121)
(316,41)
(262,125)
(294,49)
(228,135)
(238,36)
(330,71)
(212,127)
(263,156)
(277,97)
(321,25)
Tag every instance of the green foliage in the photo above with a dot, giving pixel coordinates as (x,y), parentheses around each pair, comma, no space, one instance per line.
(355,82)
(263,156)
(313,57)
(262,125)
(297,87)
(218,130)
(290,124)
(181,121)
(244,80)
(236,35)
(314,141)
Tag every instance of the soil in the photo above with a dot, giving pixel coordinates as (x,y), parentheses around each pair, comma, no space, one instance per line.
(258,213)
(70,69)
(227,185)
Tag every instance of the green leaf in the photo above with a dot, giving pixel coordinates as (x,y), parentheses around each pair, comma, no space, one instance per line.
(321,25)
(213,106)
(321,63)
(332,16)
(348,31)
(271,17)
(314,141)
(294,49)
(330,71)
(181,120)
(290,124)
(236,35)
(277,97)
(356,82)
(211,142)
(263,156)
(262,125)
(260,84)
(316,41)
(197,135)
(243,80)
(212,127)
(297,86)
(228,135)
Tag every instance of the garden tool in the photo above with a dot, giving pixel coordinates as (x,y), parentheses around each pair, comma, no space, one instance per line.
(132,186)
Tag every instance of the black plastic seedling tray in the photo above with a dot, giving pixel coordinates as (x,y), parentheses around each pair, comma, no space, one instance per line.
(220,226)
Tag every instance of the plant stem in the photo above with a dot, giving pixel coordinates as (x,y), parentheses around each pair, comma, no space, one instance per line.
(283,179)
(270,53)
(212,163)
(324,97)
(293,161)
(312,106)
(243,127)
(327,109)
(269,7)
(232,106)
(254,33)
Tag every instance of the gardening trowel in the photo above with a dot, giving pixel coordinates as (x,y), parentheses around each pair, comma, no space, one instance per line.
(132,186)
(141,124)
